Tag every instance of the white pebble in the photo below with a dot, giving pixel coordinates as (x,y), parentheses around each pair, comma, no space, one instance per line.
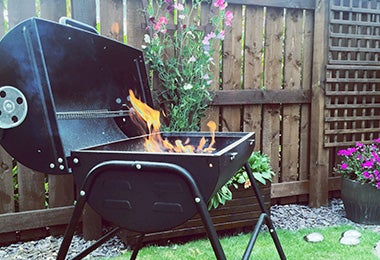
(349,241)
(352,233)
(376,250)
(314,237)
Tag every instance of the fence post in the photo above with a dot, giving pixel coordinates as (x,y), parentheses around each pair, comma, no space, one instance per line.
(319,156)
(84,11)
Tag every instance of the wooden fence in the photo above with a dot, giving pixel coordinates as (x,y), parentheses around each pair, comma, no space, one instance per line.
(273,74)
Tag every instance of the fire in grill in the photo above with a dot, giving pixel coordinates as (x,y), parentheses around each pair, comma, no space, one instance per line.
(65,109)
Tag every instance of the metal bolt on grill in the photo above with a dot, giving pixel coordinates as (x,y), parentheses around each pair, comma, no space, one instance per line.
(65,109)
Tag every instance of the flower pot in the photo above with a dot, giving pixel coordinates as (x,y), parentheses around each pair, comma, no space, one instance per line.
(361,202)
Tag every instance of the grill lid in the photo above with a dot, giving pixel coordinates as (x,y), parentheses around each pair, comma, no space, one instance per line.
(60,90)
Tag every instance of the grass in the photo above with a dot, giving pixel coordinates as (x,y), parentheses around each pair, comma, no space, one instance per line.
(293,243)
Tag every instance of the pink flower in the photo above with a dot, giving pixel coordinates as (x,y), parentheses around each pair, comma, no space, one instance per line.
(347,152)
(208,37)
(220,36)
(158,26)
(229,17)
(220,4)
(162,20)
(377,140)
(344,166)
(378,185)
(367,175)
(368,164)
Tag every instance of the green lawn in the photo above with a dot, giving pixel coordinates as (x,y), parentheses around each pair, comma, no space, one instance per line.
(294,245)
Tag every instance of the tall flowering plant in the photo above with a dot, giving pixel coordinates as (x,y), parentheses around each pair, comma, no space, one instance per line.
(180,54)
(361,163)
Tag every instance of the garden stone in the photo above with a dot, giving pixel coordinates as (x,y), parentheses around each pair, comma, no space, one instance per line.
(314,237)
(352,233)
(349,241)
(376,250)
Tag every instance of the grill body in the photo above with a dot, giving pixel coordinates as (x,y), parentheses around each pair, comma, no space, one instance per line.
(149,201)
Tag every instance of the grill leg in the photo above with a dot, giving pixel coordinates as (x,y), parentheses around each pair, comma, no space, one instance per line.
(69,233)
(263,217)
(98,243)
(138,247)
(78,209)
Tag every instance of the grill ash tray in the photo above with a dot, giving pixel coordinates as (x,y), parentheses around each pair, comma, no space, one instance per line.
(150,200)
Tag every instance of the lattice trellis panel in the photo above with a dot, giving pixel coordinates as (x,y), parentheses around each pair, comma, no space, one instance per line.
(352,106)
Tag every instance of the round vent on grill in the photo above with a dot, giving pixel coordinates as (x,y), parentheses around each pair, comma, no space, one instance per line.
(13,107)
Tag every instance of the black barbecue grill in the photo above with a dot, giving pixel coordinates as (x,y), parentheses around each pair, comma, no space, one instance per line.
(64,109)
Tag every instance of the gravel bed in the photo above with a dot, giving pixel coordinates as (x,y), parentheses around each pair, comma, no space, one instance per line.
(290,217)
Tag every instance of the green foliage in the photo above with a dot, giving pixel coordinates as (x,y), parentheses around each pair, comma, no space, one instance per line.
(261,171)
(181,58)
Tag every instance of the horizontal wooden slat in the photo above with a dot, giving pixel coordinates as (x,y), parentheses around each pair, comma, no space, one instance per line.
(11,222)
(298,4)
(351,67)
(346,106)
(353,49)
(354,23)
(353,93)
(353,80)
(280,190)
(354,9)
(351,131)
(354,62)
(344,144)
(354,36)
(351,118)
(256,96)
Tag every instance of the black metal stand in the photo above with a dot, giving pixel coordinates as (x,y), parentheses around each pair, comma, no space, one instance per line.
(264,216)
(198,200)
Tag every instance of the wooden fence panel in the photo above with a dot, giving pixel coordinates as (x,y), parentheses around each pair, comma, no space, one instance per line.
(135,25)
(53,9)
(111,19)
(307,58)
(84,11)
(17,14)
(232,62)
(253,68)
(2,21)
(292,80)
(272,81)
(7,203)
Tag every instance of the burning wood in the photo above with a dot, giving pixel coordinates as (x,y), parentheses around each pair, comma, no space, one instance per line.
(154,141)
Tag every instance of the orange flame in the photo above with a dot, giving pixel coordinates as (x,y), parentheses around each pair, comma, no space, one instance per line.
(154,141)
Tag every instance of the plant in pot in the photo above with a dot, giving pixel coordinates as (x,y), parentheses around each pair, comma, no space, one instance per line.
(360,167)
(261,170)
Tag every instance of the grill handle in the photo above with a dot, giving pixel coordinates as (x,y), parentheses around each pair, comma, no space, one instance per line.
(74,23)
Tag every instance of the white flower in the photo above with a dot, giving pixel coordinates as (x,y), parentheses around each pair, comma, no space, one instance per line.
(192,59)
(179,7)
(187,86)
(181,16)
(146,38)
